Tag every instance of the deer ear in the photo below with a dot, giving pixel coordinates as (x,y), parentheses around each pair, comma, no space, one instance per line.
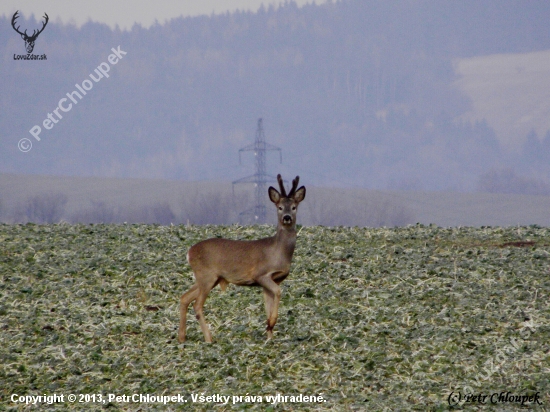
(274,196)
(300,194)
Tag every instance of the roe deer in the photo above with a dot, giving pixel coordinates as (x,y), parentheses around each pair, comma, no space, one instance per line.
(263,262)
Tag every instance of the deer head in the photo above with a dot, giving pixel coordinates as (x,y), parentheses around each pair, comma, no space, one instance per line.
(29,40)
(287,205)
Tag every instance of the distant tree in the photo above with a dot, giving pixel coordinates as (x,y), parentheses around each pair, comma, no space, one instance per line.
(532,147)
(385,213)
(162,214)
(217,207)
(546,147)
(45,208)
(98,213)
(208,208)
(340,208)
(159,213)
(508,181)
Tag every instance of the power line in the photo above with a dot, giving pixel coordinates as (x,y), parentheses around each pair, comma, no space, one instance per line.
(257,214)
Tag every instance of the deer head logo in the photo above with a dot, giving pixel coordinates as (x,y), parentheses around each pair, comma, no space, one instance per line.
(29,40)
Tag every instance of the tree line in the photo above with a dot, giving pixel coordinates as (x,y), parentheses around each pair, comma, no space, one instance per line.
(322,208)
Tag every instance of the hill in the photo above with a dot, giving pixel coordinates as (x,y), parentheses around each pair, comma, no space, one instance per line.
(510,91)
(358,94)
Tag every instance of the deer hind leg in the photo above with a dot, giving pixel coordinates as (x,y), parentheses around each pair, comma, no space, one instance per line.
(185,300)
(203,291)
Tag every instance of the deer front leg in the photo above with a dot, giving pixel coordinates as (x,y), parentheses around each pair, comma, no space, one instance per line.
(268,300)
(272,296)
(199,313)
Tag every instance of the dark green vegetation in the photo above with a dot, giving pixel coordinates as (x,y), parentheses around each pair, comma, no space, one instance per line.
(368,318)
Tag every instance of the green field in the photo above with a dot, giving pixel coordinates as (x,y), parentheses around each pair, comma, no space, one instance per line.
(369,319)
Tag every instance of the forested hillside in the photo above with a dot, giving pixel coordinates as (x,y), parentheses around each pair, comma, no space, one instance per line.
(356,93)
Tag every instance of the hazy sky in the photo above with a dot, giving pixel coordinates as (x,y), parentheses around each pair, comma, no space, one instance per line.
(126,12)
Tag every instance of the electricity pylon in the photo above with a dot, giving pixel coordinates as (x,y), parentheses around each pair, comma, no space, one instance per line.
(257,214)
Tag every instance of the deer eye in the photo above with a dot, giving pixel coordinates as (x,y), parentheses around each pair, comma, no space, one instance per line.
(280,208)
(293,207)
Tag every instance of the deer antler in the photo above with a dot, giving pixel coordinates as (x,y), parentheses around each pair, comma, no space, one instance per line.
(15,16)
(34,33)
(294,186)
(281,185)
(44,25)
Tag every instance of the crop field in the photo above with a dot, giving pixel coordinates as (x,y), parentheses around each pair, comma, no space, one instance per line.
(412,318)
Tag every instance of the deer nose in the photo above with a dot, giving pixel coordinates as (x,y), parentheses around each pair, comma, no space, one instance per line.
(287,219)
